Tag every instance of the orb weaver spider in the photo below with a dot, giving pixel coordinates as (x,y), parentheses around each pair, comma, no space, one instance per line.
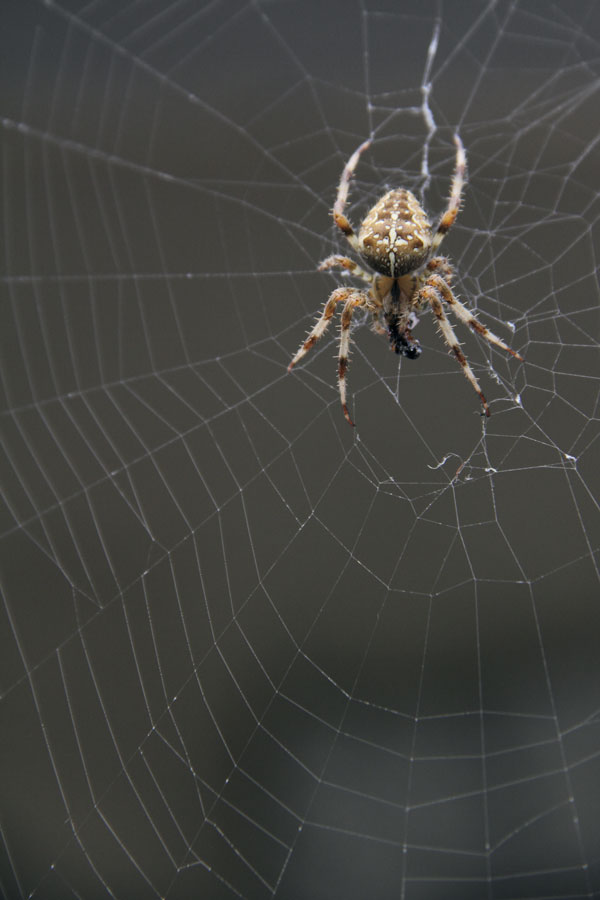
(399,245)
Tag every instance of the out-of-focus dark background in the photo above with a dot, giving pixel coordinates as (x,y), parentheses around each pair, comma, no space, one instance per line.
(248,651)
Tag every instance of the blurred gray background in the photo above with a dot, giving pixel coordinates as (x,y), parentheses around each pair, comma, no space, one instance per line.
(249,651)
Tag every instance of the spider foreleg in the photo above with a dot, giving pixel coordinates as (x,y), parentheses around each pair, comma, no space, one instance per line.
(429,293)
(466,317)
(340,295)
(347,313)
(358,298)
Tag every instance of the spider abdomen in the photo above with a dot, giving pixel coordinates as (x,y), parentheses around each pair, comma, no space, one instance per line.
(395,236)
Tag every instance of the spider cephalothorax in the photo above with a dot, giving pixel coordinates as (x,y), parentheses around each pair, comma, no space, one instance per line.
(398,244)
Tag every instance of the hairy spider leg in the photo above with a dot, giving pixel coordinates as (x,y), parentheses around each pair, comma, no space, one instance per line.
(449,217)
(466,317)
(440,265)
(340,295)
(362,299)
(430,294)
(344,262)
(342,195)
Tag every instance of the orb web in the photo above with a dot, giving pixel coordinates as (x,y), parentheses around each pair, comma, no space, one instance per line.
(249,651)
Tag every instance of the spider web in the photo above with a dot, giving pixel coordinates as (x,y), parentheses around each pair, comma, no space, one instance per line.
(250,651)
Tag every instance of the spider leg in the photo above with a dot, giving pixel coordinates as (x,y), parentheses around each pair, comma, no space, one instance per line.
(343,262)
(342,195)
(340,295)
(351,298)
(430,294)
(361,299)
(466,317)
(447,220)
(440,265)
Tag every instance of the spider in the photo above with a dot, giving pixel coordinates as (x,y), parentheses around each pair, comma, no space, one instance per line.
(398,244)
